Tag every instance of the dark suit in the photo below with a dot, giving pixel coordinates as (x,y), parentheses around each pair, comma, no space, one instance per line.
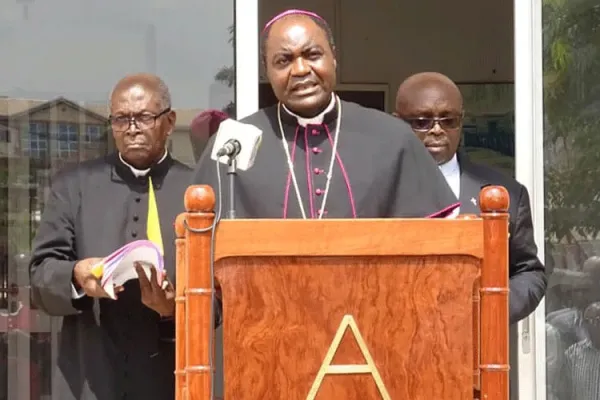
(527,275)
(108,350)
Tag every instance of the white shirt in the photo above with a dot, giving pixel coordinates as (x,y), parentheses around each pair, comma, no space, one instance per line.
(451,171)
(136,172)
(141,172)
(317,120)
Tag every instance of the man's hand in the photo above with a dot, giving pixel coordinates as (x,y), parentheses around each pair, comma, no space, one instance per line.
(157,294)
(84,279)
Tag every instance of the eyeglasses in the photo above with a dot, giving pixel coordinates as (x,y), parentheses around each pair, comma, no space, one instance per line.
(121,123)
(594,321)
(425,124)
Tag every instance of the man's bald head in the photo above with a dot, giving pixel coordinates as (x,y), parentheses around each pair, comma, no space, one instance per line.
(410,90)
(148,81)
(591,318)
(432,104)
(592,311)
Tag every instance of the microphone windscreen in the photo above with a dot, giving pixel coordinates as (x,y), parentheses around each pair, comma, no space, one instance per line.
(249,137)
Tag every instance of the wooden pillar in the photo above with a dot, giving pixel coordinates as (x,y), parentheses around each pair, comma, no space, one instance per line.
(180,282)
(494,202)
(199,204)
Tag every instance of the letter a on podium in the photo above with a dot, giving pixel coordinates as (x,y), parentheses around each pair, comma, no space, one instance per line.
(348,369)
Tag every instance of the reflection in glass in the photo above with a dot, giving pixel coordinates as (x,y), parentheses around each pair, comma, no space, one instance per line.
(3,366)
(572,194)
(60,61)
(489,124)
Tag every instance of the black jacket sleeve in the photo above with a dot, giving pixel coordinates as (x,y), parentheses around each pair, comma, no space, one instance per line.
(53,250)
(528,279)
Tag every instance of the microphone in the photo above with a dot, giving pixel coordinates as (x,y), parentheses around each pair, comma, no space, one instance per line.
(231,148)
(236,140)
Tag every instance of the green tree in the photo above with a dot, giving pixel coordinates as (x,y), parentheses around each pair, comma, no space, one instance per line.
(15,216)
(572,118)
(226,74)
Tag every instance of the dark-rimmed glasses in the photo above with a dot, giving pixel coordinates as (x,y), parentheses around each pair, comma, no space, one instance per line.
(595,321)
(121,123)
(425,124)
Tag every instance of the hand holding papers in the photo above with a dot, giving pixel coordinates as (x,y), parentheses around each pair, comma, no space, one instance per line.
(120,266)
(84,281)
(157,292)
(143,260)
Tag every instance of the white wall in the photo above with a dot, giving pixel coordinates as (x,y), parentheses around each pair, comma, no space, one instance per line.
(385,41)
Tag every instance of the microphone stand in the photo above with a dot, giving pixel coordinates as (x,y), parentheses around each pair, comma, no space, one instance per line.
(231,174)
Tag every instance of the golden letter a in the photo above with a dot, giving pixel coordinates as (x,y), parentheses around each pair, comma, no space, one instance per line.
(368,368)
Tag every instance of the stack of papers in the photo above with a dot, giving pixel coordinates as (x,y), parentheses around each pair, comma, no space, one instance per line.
(118,268)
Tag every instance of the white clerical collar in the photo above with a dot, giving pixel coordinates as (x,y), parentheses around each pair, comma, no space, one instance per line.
(141,172)
(450,167)
(318,120)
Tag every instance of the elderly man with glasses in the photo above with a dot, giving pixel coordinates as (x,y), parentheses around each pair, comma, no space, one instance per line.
(124,348)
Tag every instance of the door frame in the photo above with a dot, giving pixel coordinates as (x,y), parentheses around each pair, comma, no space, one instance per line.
(529,163)
(246,57)
(529,166)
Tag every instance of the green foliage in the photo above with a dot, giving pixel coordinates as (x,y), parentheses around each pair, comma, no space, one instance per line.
(572,118)
(15,218)
(226,75)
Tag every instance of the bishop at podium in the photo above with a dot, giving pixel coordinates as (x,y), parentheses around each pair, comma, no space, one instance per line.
(321,157)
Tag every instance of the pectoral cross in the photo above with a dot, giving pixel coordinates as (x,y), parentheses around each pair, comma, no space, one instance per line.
(474,201)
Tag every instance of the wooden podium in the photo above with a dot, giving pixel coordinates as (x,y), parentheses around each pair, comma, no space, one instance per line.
(345,309)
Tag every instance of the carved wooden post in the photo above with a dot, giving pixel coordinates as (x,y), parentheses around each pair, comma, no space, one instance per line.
(476,322)
(476,333)
(494,202)
(199,203)
(180,281)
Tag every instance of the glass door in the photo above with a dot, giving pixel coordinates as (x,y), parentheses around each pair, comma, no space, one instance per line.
(571,148)
(60,61)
